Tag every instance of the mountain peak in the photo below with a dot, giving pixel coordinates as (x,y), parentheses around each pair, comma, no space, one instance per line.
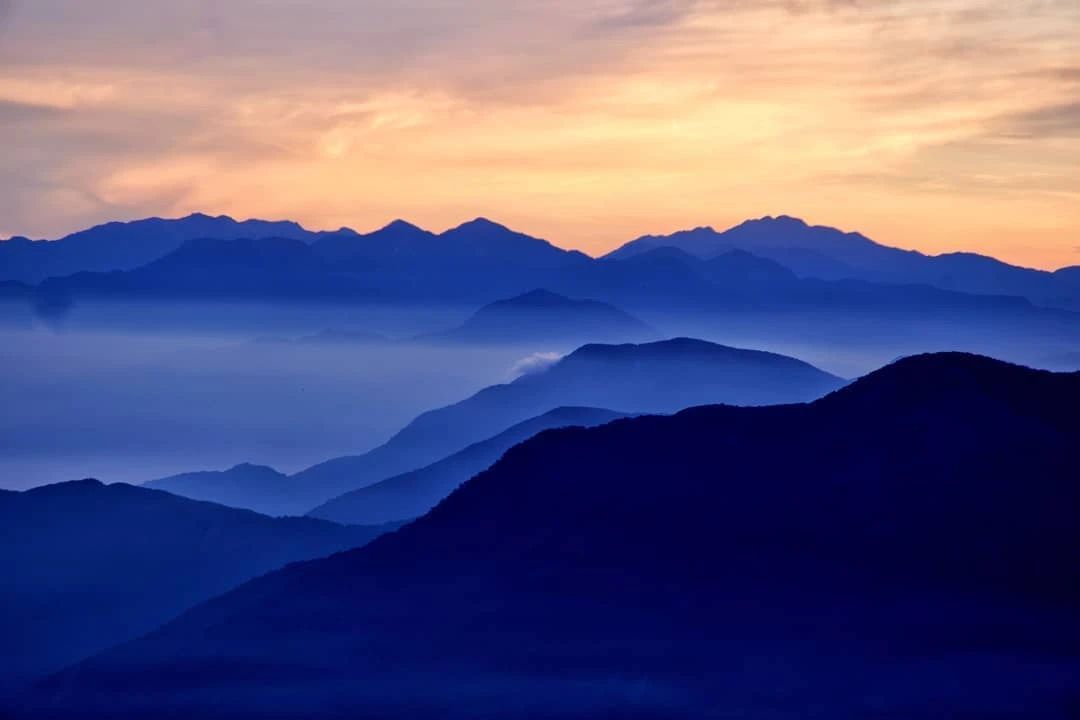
(962,378)
(788,220)
(68,487)
(481,224)
(692,351)
(253,467)
(398,225)
(672,345)
(205,216)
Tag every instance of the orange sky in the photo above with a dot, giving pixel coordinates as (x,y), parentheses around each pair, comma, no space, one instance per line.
(931,124)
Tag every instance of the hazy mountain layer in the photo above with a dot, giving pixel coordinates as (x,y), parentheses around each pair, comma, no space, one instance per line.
(904,547)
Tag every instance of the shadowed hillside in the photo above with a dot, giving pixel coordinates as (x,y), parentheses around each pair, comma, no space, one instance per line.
(904,547)
(412,494)
(88,565)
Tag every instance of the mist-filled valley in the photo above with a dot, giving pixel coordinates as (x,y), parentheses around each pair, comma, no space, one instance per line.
(133,393)
(128,390)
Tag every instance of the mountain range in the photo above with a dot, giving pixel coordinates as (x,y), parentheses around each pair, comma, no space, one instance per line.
(125,245)
(87,565)
(482,261)
(903,547)
(657,377)
(826,253)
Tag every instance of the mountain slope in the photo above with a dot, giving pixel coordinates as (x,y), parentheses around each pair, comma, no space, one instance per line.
(412,494)
(660,377)
(830,254)
(479,260)
(87,565)
(904,547)
(652,377)
(125,245)
(255,487)
(210,268)
(540,315)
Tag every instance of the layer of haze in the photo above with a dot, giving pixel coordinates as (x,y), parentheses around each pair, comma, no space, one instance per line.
(932,124)
(134,393)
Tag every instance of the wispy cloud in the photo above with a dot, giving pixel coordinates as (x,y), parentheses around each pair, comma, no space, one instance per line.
(586,122)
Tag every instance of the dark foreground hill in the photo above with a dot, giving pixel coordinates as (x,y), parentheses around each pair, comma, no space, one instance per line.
(655,377)
(87,565)
(412,494)
(903,548)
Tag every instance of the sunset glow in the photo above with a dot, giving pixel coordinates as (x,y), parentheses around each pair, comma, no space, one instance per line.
(939,126)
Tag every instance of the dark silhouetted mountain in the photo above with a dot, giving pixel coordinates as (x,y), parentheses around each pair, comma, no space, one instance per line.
(412,494)
(125,245)
(477,261)
(397,243)
(655,377)
(540,315)
(209,268)
(256,487)
(769,237)
(88,565)
(905,547)
(830,254)
(482,261)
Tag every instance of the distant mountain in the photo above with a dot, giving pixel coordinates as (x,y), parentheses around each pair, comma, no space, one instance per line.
(126,245)
(830,254)
(482,261)
(256,487)
(210,268)
(541,315)
(399,242)
(87,566)
(412,494)
(654,377)
(477,261)
(904,547)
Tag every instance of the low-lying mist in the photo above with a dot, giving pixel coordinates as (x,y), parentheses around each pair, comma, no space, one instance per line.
(108,397)
(135,391)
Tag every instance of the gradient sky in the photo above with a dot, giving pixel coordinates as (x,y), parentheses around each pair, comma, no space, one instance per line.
(937,125)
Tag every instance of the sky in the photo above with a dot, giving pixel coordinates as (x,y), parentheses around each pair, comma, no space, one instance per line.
(936,125)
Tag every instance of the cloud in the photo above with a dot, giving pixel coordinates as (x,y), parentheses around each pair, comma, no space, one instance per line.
(535,363)
(587,122)
(1051,121)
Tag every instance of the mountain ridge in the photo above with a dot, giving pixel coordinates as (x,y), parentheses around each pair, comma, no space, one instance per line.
(91,565)
(811,251)
(661,376)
